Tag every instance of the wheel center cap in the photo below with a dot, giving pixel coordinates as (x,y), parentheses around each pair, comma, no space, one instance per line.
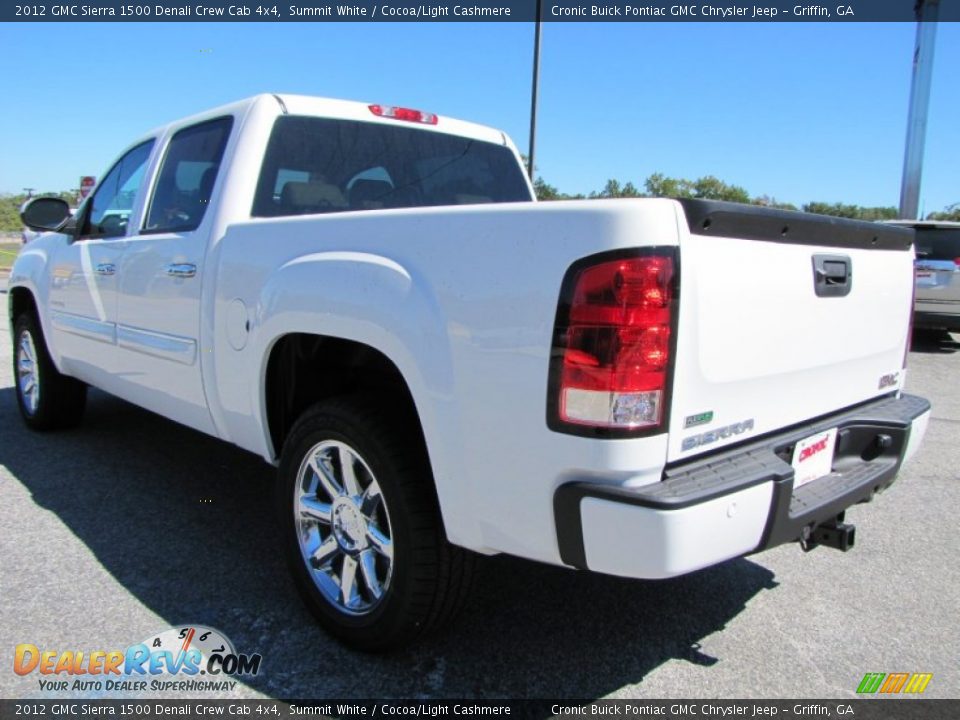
(349,526)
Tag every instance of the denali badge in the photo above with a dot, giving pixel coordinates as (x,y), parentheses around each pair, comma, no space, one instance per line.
(689,443)
(888,380)
(698,419)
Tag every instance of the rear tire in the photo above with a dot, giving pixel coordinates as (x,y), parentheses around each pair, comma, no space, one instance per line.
(361,528)
(48,400)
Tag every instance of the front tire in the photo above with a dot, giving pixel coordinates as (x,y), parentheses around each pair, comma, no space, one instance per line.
(48,400)
(361,528)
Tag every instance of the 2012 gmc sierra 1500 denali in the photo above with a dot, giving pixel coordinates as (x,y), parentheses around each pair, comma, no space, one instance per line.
(368,296)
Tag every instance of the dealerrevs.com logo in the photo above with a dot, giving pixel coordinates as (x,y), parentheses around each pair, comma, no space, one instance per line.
(188,659)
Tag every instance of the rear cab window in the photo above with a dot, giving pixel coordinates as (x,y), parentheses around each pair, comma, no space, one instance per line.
(321,165)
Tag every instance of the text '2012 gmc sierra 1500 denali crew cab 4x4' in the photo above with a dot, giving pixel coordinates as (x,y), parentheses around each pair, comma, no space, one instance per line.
(368,296)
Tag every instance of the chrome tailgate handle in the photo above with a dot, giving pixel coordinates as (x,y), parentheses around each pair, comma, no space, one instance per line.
(181,270)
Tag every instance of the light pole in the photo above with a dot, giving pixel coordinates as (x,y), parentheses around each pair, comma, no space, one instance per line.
(919,106)
(533,91)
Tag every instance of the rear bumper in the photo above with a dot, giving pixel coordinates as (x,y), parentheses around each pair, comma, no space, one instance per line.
(735,502)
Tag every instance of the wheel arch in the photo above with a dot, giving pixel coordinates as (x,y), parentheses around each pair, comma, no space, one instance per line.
(20,299)
(28,287)
(304,368)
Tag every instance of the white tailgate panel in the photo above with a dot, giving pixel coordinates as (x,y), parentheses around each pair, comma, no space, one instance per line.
(756,343)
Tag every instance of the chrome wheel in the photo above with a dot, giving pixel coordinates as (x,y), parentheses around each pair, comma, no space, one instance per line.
(28,379)
(343,528)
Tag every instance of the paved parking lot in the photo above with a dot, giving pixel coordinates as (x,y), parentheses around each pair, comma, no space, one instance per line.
(131,524)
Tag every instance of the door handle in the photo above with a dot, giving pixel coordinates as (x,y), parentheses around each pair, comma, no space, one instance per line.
(181,270)
(106,269)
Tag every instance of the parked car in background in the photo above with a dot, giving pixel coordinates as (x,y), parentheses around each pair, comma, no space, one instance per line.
(937,273)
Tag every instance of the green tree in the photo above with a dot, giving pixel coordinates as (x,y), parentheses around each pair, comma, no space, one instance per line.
(854,212)
(659,185)
(546,191)
(9,213)
(613,189)
(707,187)
(834,209)
(951,213)
(772,202)
(710,188)
(879,213)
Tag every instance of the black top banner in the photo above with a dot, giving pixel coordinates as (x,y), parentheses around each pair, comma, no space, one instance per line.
(475,10)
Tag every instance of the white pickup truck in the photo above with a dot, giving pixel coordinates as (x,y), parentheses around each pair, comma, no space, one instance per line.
(368,297)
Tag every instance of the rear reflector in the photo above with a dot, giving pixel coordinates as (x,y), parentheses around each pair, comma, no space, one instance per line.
(613,345)
(400,113)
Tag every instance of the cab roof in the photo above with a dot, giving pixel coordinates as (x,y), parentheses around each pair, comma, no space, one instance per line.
(332,108)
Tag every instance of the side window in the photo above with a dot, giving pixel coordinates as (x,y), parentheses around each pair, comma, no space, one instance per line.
(187,176)
(109,209)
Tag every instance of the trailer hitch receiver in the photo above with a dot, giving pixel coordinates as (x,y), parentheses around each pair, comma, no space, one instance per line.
(835,534)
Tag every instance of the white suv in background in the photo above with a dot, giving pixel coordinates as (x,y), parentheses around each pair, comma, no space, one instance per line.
(937,272)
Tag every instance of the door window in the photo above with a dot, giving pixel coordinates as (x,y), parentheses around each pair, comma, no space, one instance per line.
(108,212)
(187,176)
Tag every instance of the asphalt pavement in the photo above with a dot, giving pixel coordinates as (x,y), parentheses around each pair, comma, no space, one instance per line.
(131,524)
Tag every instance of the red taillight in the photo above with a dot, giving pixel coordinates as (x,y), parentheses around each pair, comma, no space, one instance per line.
(956,261)
(613,345)
(400,113)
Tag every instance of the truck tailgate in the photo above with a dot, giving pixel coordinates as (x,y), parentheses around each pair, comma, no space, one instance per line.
(784,317)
